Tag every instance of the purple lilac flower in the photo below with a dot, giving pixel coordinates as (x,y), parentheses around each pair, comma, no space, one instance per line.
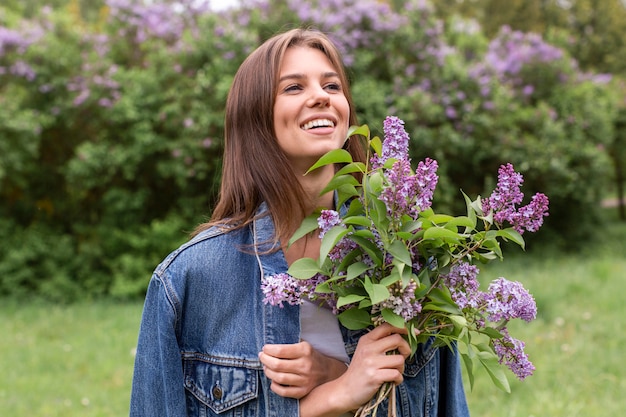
(327,220)
(463,285)
(402,301)
(401,189)
(508,300)
(395,144)
(530,217)
(426,182)
(511,353)
(281,288)
(507,196)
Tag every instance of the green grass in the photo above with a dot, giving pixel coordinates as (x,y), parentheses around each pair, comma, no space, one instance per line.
(77,360)
(66,360)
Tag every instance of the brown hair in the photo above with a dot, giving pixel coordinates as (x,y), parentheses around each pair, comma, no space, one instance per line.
(254,169)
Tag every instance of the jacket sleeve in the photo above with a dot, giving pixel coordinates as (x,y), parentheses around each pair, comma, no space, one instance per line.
(157,388)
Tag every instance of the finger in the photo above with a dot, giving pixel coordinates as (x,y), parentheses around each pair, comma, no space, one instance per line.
(283,378)
(288,351)
(288,391)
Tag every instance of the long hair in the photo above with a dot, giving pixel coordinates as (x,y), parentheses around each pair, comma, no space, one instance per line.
(254,168)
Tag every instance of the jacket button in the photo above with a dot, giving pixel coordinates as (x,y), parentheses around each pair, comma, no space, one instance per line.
(217,392)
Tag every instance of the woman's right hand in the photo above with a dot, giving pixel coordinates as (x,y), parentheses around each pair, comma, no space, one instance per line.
(379,358)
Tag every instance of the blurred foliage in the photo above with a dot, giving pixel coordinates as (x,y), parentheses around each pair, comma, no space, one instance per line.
(111,120)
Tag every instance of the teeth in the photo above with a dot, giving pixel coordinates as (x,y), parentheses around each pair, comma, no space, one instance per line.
(318,123)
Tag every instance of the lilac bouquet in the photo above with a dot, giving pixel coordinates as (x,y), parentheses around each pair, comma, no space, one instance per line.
(388,257)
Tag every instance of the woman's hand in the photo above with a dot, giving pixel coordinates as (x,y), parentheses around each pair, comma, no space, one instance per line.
(379,358)
(296,369)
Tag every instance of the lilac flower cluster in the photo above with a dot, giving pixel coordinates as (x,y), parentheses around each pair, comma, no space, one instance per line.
(511,353)
(505,198)
(402,301)
(327,220)
(507,300)
(395,144)
(463,284)
(281,288)
(404,192)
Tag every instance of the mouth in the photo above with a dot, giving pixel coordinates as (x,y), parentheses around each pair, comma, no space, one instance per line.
(317,123)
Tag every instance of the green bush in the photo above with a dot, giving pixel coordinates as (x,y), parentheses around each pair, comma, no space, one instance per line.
(111,123)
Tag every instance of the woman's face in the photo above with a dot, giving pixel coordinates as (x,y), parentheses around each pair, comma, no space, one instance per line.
(311,112)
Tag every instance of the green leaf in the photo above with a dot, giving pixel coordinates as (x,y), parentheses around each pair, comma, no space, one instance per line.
(495,370)
(368,247)
(492,333)
(392,318)
(352,167)
(356,269)
(440,218)
(358,221)
(377,292)
(362,130)
(341,181)
(304,268)
(377,145)
(330,239)
(469,367)
(512,234)
(400,252)
(308,225)
(349,299)
(336,156)
(355,319)
(458,321)
(471,213)
(441,233)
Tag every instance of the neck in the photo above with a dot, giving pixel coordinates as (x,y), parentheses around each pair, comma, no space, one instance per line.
(314,182)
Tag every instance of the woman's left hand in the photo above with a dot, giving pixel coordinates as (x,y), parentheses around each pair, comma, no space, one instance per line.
(295,369)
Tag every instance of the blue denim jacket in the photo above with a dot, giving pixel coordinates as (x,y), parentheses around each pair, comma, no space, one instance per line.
(204,323)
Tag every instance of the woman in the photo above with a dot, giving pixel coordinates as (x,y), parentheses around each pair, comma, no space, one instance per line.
(208,345)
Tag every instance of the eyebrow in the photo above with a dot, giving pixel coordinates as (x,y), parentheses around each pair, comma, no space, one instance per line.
(329,74)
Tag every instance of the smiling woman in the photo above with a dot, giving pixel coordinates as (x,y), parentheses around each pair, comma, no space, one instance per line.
(311,112)
(208,344)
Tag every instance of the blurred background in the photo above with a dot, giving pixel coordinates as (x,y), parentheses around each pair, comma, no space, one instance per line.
(111,131)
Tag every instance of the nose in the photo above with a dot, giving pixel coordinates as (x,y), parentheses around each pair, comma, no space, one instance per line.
(319,97)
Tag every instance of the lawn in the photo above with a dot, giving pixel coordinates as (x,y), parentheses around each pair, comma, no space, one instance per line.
(77,360)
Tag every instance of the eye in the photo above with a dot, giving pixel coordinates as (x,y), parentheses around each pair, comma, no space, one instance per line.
(333,87)
(292,88)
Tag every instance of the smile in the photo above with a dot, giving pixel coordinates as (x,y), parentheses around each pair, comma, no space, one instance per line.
(318,123)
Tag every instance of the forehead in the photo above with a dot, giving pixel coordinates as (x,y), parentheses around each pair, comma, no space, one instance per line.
(303,59)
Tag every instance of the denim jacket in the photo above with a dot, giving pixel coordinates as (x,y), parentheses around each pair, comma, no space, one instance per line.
(204,323)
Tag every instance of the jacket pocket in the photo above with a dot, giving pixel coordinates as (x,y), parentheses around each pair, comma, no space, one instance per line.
(221,384)
(424,354)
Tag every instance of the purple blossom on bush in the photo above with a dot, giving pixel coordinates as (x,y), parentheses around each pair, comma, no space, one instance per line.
(507,300)
(511,353)
(353,24)
(401,189)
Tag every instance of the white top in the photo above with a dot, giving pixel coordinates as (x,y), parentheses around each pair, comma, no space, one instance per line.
(320,327)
